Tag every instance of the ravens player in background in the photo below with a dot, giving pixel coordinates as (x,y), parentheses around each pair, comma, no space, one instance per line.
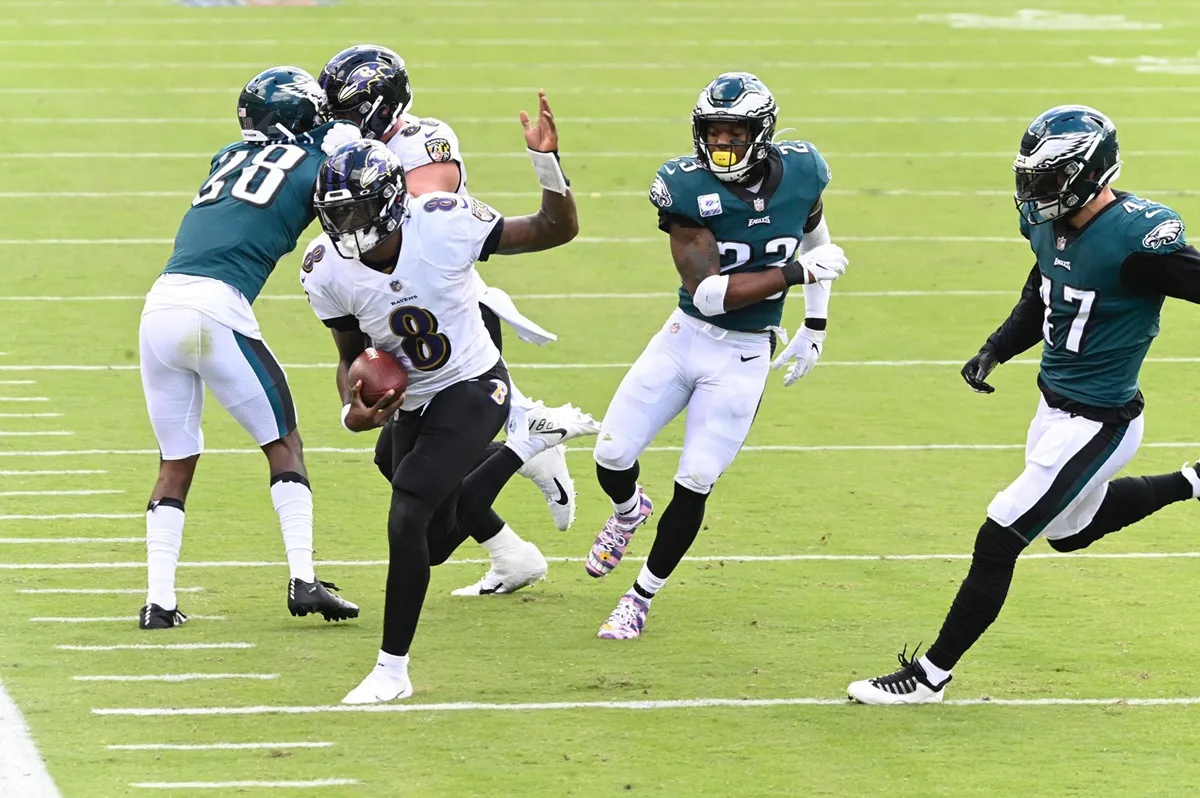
(746,223)
(369,86)
(1105,261)
(198,329)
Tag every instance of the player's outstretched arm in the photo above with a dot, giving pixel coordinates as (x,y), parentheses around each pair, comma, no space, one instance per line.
(557,221)
(694,250)
(357,416)
(1019,332)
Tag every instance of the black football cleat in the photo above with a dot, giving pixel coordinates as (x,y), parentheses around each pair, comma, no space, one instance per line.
(153,616)
(314,597)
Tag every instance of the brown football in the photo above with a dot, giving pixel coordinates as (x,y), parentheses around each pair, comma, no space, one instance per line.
(379,372)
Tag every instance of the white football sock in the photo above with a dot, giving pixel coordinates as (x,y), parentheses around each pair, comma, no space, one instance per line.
(164,539)
(392,664)
(294,503)
(935,674)
(627,507)
(502,541)
(649,583)
(528,448)
(1189,473)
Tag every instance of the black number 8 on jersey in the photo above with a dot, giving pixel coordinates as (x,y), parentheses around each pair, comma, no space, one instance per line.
(427,349)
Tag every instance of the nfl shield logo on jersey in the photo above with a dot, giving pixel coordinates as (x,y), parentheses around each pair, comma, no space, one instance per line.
(1061,243)
(759,204)
(395,285)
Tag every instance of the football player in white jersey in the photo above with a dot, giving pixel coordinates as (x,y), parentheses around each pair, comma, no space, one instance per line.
(402,273)
(369,86)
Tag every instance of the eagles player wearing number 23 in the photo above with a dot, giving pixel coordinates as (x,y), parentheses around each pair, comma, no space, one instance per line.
(197,330)
(1105,260)
(401,273)
(746,223)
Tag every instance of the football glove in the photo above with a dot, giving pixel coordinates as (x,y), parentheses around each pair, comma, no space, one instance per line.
(977,369)
(340,134)
(805,349)
(826,262)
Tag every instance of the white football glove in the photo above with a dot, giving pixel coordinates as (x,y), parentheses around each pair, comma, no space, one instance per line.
(344,133)
(805,349)
(826,262)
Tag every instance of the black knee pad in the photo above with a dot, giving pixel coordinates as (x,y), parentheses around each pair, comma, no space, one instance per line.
(421,475)
(688,498)
(996,548)
(1075,542)
(383,451)
(408,518)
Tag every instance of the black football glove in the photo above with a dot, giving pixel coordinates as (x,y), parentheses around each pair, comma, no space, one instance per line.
(977,370)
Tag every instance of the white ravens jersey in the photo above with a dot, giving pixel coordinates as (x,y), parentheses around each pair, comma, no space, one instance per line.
(420,142)
(426,310)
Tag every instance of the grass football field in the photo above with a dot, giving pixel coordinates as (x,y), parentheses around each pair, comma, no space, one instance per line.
(839,535)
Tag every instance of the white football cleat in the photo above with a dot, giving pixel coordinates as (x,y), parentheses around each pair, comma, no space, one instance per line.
(380,685)
(555,425)
(549,472)
(520,567)
(908,685)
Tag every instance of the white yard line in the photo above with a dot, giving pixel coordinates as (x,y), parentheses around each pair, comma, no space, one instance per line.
(215,746)
(229,785)
(71,516)
(18,382)
(177,677)
(30,415)
(686,703)
(22,771)
(948,292)
(97,591)
(49,433)
(723,558)
(17,472)
(59,492)
(24,398)
(113,619)
(159,647)
(67,541)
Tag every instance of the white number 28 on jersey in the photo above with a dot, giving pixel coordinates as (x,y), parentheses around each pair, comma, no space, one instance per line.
(259,181)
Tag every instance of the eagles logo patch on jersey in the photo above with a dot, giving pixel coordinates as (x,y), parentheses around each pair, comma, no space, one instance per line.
(439,150)
(1166,233)
(659,194)
(482,211)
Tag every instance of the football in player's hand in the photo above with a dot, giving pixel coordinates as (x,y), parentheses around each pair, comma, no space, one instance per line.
(379,373)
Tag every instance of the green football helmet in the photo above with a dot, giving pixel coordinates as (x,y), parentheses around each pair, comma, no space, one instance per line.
(1068,155)
(281,103)
(741,98)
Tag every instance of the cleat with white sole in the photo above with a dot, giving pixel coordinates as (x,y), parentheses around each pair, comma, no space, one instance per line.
(549,472)
(510,572)
(908,685)
(380,686)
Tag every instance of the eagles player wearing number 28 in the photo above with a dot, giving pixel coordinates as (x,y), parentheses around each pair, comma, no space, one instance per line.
(746,223)
(1105,261)
(403,273)
(197,329)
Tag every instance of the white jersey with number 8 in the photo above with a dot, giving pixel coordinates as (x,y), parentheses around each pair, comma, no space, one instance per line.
(426,310)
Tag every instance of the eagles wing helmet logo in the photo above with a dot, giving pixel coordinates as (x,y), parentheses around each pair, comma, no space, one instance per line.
(659,194)
(305,89)
(1168,232)
(1053,150)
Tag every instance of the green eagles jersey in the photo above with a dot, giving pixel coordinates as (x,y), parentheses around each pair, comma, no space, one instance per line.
(754,231)
(250,212)
(1096,330)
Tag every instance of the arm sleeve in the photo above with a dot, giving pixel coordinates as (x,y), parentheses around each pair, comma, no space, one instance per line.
(1174,274)
(1023,327)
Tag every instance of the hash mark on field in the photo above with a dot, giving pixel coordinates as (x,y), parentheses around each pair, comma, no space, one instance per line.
(17,472)
(686,703)
(115,619)
(222,785)
(177,677)
(214,746)
(18,382)
(59,492)
(68,541)
(42,434)
(158,647)
(70,516)
(24,398)
(98,591)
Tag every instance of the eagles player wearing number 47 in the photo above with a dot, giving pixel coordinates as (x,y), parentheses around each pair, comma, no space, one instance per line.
(1105,262)
(198,330)
(746,223)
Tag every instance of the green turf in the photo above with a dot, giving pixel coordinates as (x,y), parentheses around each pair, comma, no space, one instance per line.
(885,97)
